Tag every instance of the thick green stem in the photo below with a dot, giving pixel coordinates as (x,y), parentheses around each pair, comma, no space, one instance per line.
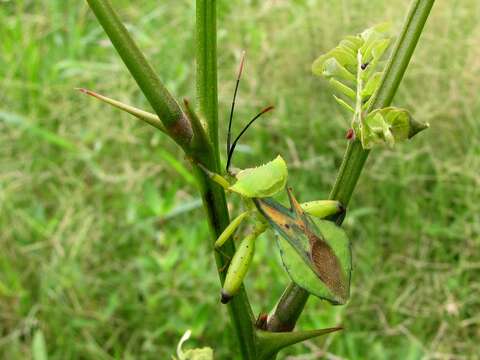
(162,102)
(213,195)
(291,303)
(206,69)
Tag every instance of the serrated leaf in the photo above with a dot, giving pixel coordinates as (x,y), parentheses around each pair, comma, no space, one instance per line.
(262,181)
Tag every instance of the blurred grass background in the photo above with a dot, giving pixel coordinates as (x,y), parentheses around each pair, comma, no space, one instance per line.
(105,251)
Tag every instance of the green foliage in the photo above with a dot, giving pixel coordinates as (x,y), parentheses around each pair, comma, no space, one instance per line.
(389,125)
(80,218)
(205,353)
(356,59)
(39,347)
(355,69)
(263,181)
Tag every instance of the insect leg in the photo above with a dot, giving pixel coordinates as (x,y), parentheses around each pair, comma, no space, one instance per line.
(323,208)
(230,229)
(240,264)
(219,179)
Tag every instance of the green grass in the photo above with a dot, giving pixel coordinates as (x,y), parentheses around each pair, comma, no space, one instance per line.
(104,247)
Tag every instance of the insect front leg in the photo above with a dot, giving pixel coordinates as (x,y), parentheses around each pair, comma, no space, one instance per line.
(230,229)
(217,178)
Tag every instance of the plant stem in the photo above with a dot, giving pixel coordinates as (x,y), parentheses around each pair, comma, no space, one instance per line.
(213,195)
(168,110)
(206,69)
(291,303)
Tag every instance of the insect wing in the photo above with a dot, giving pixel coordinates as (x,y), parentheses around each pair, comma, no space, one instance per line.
(311,250)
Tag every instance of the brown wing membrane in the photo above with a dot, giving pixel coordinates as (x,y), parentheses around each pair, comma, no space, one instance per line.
(304,236)
(328,266)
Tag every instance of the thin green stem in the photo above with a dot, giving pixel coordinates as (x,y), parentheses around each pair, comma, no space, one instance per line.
(162,102)
(213,195)
(292,301)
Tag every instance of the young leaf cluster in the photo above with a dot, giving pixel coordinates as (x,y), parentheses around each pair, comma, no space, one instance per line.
(353,62)
(354,69)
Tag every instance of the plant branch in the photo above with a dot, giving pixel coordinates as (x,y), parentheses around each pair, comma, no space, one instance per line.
(213,195)
(162,102)
(291,303)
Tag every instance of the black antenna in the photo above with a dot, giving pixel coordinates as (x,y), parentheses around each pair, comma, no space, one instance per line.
(232,148)
(239,75)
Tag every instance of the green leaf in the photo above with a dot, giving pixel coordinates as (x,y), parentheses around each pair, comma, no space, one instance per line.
(344,104)
(332,68)
(39,346)
(372,85)
(375,38)
(340,65)
(205,353)
(389,126)
(262,181)
(343,89)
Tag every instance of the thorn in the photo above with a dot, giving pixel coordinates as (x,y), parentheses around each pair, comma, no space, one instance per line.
(85,91)
(82,90)
(89,92)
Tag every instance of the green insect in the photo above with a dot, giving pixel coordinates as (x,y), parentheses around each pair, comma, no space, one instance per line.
(315,253)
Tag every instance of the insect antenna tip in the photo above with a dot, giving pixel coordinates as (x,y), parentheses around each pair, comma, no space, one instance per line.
(240,67)
(82,90)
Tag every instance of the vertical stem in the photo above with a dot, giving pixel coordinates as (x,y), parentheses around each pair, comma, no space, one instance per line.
(213,195)
(206,69)
(292,301)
